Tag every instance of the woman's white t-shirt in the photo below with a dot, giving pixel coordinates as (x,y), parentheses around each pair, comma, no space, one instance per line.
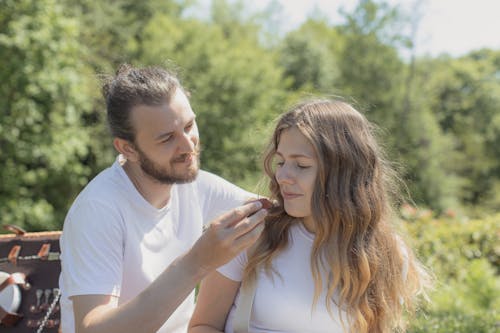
(284,304)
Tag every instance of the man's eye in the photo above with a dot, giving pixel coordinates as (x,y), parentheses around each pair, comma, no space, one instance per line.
(188,127)
(167,139)
(280,164)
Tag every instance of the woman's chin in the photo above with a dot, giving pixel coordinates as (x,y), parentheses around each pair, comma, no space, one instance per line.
(293,212)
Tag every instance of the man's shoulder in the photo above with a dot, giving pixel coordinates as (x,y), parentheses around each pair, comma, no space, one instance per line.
(104,189)
(112,179)
(207,177)
(204,181)
(211,184)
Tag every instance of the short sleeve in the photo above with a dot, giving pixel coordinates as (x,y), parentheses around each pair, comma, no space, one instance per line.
(234,269)
(92,250)
(218,196)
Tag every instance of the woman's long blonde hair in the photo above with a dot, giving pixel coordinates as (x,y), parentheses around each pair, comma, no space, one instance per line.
(372,274)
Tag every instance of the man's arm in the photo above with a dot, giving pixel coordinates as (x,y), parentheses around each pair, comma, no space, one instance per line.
(227,236)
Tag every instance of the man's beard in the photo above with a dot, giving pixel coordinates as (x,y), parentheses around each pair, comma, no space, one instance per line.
(168,175)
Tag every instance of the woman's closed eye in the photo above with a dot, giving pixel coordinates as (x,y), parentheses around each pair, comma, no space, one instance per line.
(296,164)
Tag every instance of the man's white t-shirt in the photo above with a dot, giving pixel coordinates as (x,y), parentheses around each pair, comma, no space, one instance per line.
(116,243)
(284,303)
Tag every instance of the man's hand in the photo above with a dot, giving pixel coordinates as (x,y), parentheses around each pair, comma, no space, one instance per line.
(228,235)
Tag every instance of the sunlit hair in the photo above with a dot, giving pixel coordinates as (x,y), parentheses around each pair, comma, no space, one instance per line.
(373,275)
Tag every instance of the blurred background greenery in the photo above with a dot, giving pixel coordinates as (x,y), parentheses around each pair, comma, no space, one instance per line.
(439,116)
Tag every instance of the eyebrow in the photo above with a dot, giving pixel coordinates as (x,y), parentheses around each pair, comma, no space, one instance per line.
(167,134)
(295,155)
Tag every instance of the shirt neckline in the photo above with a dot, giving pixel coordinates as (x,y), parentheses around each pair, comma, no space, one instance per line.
(304,232)
(117,165)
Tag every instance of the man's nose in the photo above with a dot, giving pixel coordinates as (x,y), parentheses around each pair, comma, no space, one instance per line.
(188,142)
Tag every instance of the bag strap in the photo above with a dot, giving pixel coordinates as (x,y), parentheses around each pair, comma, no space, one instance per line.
(243,311)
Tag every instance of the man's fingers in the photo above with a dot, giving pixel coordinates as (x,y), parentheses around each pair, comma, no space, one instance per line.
(237,214)
(246,225)
(248,239)
(231,233)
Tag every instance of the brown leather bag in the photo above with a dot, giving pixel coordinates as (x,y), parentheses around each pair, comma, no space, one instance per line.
(29,274)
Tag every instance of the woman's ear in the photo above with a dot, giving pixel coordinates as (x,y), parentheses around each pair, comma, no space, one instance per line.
(126,148)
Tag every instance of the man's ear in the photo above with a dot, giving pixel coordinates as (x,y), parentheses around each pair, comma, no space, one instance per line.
(126,148)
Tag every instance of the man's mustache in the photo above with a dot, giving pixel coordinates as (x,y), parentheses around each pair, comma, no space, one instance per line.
(183,157)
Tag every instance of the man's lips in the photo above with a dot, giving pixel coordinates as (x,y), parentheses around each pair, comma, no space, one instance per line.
(290,195)
(185,158)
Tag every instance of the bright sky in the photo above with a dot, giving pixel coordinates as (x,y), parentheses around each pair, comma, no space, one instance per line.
(447,26)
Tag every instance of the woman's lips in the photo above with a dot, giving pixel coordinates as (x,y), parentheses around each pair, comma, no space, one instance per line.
(290,195)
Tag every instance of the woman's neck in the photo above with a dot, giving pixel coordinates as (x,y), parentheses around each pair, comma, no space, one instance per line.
(308,223)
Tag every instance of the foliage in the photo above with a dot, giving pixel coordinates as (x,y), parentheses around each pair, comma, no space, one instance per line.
(43,99)
(465,95)
(309,56)
(425,148)
(464,255)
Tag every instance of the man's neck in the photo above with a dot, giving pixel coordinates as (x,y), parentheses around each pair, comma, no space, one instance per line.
(157,194)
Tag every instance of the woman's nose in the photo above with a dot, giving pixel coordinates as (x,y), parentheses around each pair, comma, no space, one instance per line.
(283,175)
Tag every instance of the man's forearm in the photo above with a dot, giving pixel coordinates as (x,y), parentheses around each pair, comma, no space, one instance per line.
(152,307)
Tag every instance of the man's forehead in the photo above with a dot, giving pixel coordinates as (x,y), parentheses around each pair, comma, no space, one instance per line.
(160,119)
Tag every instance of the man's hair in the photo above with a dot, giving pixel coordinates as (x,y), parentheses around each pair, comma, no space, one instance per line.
(131,87)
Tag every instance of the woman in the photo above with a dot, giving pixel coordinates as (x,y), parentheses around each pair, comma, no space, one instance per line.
(329,259)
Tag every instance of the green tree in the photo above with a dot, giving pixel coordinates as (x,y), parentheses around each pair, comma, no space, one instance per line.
(42,98)
(466,95)
(309,56)
(371,70)
(373,73)
(114,29)
(426,151)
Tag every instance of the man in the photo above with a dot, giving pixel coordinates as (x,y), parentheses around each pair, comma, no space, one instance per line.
(132,245)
